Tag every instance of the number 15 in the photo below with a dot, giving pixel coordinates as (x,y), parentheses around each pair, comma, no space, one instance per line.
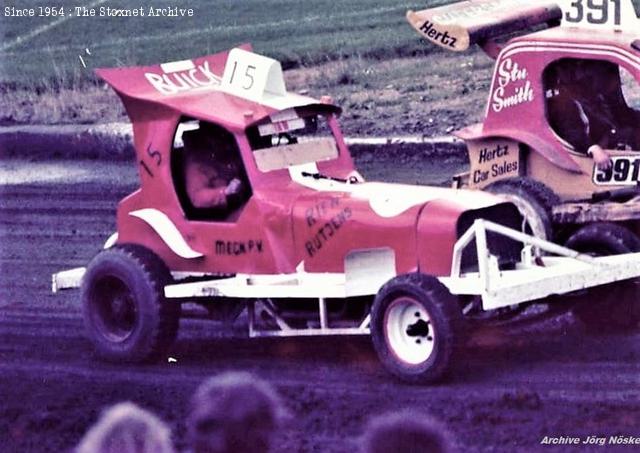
(248,76)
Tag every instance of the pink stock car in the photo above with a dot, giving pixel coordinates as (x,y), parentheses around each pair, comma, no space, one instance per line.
(293,234)
(554,94)
(561,136)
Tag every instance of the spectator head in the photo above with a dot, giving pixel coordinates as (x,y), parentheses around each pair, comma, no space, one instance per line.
(233,412)
(406,431)
(126,428)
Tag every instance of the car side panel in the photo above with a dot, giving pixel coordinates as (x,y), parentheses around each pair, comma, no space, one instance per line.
(329,226)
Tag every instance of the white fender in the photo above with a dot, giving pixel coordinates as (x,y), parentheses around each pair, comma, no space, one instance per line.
(167,231)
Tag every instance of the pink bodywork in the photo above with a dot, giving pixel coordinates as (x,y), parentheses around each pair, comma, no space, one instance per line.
(516,107)
(284,224)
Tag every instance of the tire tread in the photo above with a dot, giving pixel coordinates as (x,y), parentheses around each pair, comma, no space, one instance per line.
(155,275)
(450,336)
(536,193)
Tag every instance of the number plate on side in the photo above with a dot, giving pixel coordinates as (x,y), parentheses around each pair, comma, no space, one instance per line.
(625,171)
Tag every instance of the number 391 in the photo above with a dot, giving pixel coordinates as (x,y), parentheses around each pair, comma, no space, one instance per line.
(623,171)
(597,11)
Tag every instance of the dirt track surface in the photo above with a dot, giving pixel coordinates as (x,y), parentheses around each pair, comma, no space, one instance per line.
(509,389)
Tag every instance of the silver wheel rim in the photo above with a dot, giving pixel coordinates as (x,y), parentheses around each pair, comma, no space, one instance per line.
(409,332)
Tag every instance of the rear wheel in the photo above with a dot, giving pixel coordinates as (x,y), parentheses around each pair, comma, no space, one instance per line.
(125,312)
(609,307)
(415,326)
(533,199)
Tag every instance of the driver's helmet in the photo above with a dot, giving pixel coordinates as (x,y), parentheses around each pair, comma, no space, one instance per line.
(211,145)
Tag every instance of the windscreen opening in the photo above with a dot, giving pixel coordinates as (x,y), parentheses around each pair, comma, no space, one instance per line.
(292,138)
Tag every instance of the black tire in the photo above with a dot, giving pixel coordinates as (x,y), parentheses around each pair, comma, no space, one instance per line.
(603,239)
(436,332)
(125,312)
(612,307)
(534,200)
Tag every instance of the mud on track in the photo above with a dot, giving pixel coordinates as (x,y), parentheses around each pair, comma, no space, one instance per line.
(509,389)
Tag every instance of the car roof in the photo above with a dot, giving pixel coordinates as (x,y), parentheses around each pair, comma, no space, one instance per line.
(584,36)
(194,88)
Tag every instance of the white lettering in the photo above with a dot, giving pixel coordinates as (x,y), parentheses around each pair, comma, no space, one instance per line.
(204,68)
(562,440)
(181,84)
(179,81)
(12,11)
(172,11)
(159,84)
(465,10)
(192,75)
(509,73)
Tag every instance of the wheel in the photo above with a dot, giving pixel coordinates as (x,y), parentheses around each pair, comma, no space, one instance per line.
(415,325)
(125,312)
(603,239)
(609,307)
(533,199)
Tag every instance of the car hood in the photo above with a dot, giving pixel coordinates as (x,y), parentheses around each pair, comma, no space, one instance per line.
(334,219)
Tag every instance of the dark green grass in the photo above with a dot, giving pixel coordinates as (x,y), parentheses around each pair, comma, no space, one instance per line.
(292,31)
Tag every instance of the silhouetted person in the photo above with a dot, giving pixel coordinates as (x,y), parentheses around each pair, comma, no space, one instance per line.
(586,107)
(126,428)
(233,412)
(212,175)
(406,432)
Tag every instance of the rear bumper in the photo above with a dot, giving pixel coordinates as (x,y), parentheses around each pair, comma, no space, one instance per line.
(69,279)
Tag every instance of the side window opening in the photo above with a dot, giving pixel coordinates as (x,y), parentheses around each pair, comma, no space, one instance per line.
(587,103)
(208,173)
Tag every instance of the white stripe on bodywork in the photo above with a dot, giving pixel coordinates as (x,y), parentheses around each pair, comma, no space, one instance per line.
(111,241)
(167,231)
(390,200)
(623,56)
(565,46)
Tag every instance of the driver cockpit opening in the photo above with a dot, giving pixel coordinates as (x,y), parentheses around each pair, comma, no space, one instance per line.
(208,173)
(587,104)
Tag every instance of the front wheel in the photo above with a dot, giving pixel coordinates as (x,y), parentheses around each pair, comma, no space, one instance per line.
(415,327)
(125,312)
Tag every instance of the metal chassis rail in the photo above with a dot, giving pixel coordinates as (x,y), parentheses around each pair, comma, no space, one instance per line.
(534,278)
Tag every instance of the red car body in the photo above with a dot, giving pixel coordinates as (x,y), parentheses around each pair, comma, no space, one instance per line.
(288,221)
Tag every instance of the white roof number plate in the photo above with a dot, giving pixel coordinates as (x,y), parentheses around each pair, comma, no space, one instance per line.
(252,76)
